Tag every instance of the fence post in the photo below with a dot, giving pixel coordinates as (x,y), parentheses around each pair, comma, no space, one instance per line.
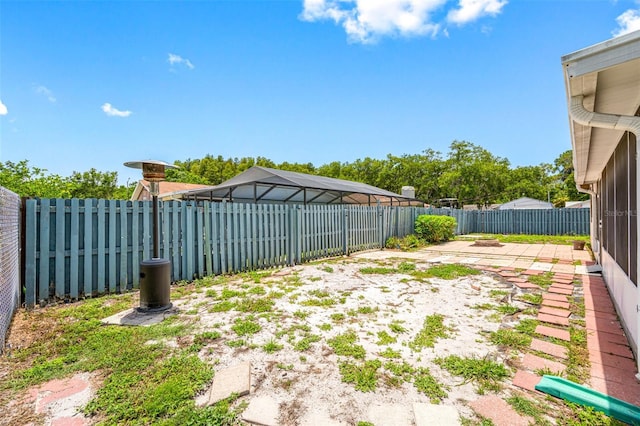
(345,231)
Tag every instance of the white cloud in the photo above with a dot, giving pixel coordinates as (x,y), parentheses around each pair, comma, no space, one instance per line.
(179,60)
(42,90)
(113,112)
(365,21)
(628,22)
(472,10)
(3,109)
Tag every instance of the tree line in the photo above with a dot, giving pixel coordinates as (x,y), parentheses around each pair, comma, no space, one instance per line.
(467,172)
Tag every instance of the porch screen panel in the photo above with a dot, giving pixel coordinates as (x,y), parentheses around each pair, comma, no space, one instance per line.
(621,165)
(633,211)
(602,205)
(610,210)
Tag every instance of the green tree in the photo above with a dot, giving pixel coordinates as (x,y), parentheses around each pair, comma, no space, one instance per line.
(32,181)
(565,189)
(93,184)
(528,181)
(473,175)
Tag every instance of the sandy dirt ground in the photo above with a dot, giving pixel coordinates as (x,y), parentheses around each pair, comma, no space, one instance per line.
(307,382)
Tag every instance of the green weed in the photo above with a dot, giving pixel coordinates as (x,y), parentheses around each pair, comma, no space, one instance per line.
(345,344)
(272,346)
(485,373)
(432,329)
(385,338)
(510,338)
(363,376)
(243,327)
(390,353)
(428,385)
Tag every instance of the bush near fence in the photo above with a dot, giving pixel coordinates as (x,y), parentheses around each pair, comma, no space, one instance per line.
(435,229)
(77,248)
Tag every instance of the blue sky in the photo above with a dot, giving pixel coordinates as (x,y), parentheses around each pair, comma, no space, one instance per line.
(95,84)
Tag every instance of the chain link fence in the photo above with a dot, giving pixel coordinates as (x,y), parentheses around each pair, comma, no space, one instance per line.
(9,259)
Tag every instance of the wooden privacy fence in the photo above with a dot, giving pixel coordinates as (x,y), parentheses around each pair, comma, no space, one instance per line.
(77,248)
(74,248)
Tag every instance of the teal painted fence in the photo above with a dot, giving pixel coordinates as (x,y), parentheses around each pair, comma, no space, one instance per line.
(75,248)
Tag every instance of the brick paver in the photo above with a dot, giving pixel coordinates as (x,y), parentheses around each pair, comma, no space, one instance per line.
(534,362)
(554,296)
(498,411)
(553,332)
(564,313)
(526,285)
(629,392)
(600,324)
(564,286)
(555,303)
(609,348)
(549,348)
(526,380)
(616,361)
(560,290)
(552,319)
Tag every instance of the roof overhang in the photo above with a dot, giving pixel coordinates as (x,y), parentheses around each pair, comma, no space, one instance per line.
(607,76)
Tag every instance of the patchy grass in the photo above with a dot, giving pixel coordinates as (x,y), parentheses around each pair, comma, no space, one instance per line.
(396,327)
(543,280)
(531,408)
(446,272)
(272,346)
(390,353)
(363,376)
(527,326)
(485,373)
(244,327)
(305,342)
(510,338)
(537,239)
(345,345)
(385,338)
(432,329)
(532,298)
(146,382)
(377,270)
(428,385)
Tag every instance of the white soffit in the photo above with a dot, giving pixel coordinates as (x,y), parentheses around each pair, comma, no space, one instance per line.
(608,76)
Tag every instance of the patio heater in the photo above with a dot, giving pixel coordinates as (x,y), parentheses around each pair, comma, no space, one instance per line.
(155,273)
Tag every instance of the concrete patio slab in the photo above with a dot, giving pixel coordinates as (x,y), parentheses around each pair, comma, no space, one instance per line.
(389,414)
(541,266)
(232,380)
(435,415)
(134,318)
(262,410)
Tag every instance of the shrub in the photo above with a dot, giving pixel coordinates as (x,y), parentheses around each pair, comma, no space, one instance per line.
(435,229)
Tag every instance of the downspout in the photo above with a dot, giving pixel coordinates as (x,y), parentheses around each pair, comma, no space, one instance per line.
(629,123)
(580,115)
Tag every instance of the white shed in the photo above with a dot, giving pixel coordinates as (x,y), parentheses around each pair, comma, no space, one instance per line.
(525,203)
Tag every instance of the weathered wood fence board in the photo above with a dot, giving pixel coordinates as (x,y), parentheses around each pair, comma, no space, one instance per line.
(75,248)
